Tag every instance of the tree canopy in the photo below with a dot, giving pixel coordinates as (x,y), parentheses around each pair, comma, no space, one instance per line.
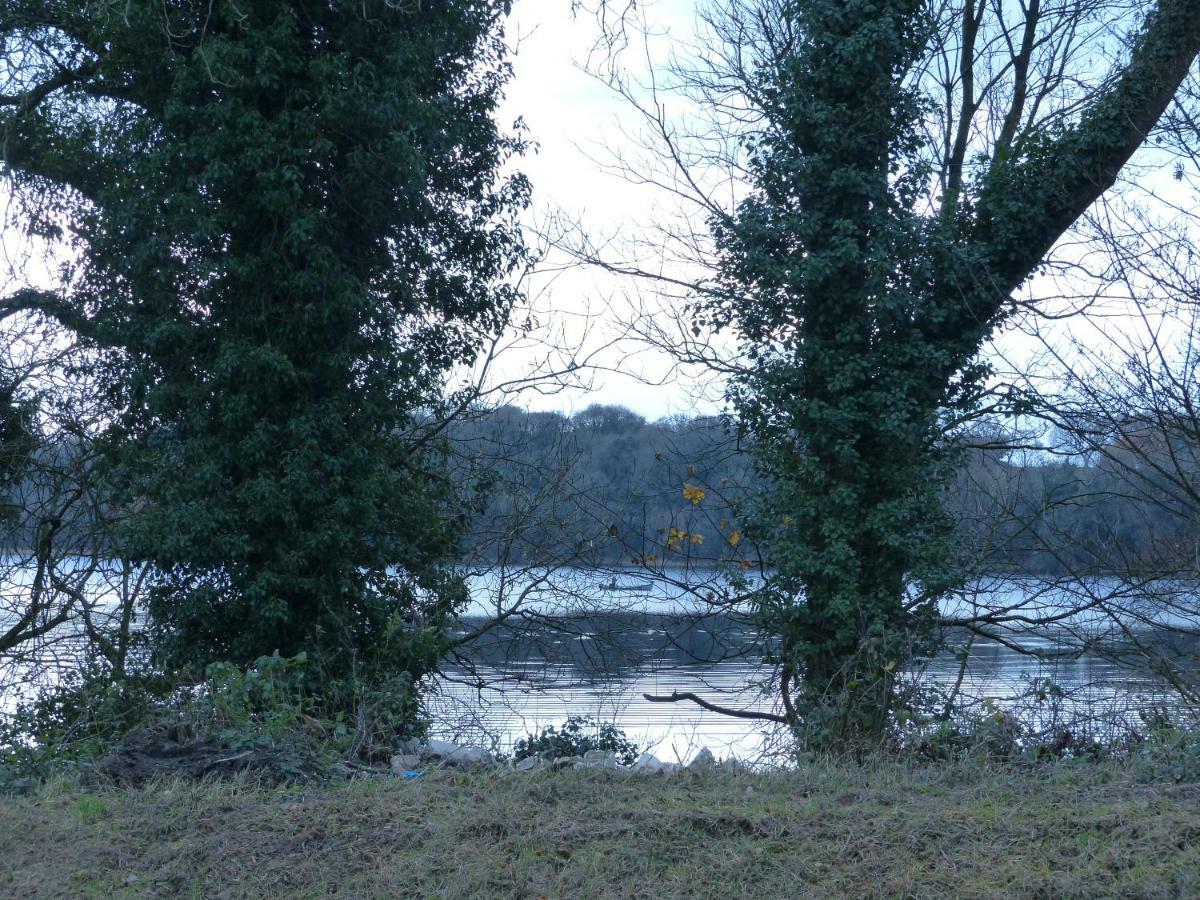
(287,223)
(865,270)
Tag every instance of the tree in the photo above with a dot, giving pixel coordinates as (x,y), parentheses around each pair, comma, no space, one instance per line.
(866,272)
(287,224)
(898,170)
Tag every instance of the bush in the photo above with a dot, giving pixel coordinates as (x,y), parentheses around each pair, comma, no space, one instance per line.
(272,705)
(81,718)
(578,735)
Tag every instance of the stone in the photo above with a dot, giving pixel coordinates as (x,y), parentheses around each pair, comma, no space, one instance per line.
(530,764)
(651,764)
(451,754)
(469,758)
(599,759)
(565,762)
(703,760)
(435,749)
(413,746)
(404,762)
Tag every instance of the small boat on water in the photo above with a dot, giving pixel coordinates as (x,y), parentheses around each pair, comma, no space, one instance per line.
(629,587)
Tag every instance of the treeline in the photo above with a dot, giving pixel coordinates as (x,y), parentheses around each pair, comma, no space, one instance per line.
(607,486)
(601,486)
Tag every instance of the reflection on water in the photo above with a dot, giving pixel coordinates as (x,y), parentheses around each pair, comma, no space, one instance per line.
(671,640)
(579,645)
(522,682)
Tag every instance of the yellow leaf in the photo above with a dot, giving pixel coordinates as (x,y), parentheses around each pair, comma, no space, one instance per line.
(735,538)
(693,493)
(696,538)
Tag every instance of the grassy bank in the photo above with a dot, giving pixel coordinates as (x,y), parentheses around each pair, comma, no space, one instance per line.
(1061,831)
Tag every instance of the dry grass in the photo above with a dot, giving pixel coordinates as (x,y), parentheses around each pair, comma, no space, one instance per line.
(825,831)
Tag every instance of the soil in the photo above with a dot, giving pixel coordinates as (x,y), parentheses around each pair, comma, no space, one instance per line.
(173,750)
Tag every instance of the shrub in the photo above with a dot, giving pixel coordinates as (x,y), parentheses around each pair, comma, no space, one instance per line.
(271,705)
(80,718)
(578,735)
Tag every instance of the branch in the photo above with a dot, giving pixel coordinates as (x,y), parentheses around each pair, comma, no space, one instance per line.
(48,303)
(26,101)
(971,20)
(1020,91)
(1028,203)
(723,710)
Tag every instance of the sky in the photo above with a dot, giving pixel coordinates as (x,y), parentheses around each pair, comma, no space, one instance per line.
(580,315)
(578,124)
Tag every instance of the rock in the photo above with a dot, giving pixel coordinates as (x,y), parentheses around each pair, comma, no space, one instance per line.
(469,758)
(451,754)
(703,760)
(599,759)
(530,764)
(404,762)
(565,762)
(730,765)
(651,764)
(435,749)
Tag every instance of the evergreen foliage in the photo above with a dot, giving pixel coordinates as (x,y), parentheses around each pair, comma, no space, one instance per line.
(17,441)
(863,287)
(578,735)
(289,223)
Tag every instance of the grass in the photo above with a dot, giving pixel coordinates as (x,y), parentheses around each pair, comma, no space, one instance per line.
(821,831)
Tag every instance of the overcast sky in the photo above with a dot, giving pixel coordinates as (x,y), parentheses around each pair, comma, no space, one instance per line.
(574,121)
(577,122)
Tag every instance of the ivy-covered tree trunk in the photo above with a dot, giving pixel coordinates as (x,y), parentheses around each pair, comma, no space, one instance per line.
(864,272)
(288,224)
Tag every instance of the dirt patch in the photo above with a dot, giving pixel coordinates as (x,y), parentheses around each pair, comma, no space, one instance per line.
(172,750)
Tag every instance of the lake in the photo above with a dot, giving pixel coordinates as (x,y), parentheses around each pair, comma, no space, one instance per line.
(601,660)
(588,643)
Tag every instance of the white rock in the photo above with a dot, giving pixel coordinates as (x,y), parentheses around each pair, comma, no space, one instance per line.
(453,755)
(650,763)
(412,745)
(469,757)
(600,759)
(435,749)
(530,764)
